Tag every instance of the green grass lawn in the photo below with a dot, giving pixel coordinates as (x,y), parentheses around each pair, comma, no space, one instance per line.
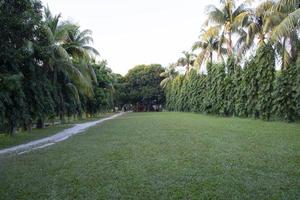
(162,156)
(25,136)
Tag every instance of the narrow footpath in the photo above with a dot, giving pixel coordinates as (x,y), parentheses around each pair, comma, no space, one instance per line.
(51,140)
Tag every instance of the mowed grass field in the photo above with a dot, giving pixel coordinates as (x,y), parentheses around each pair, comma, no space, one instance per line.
(162,156)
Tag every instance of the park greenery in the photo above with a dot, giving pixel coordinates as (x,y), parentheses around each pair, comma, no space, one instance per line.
(50,71)
(245,66)
(48,68)
(246,63)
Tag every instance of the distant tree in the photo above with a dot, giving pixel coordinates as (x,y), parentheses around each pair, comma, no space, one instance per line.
(229,17)
(168,75)
(186,61)
(143,86)
(209,42)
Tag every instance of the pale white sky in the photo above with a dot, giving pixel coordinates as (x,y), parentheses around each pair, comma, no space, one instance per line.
(131,32)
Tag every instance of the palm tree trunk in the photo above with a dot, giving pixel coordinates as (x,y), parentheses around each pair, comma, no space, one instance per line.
(261,38)
(187,68)
(283,67)
(229,48)
(40,123)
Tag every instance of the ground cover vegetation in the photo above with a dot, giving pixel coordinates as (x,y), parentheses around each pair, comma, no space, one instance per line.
(162,155)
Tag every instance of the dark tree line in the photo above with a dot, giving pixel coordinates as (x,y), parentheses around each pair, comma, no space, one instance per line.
(47,68)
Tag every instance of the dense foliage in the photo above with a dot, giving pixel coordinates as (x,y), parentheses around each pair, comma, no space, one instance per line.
(235,85)
(256,90)
(141,88)
(47,68)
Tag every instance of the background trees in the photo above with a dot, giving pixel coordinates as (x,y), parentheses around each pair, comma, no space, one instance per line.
(142,86)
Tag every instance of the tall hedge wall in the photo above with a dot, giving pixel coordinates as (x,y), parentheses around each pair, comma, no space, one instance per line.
(256,90)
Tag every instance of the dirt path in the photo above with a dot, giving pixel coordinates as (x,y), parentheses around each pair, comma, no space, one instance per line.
(61,136)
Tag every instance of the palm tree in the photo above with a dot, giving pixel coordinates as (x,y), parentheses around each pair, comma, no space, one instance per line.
(169,74)
(186,61)
(229,17)
(254,27)
(65,60)
(210,41)
(62,49)
(77,43)
(284,22)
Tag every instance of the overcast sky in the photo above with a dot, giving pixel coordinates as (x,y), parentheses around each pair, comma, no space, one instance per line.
(131,32)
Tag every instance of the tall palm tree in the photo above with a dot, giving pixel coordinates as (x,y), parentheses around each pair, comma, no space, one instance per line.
(169,74)
(254,27)
(210,42)
(187,60)
(230,17)
(58,33)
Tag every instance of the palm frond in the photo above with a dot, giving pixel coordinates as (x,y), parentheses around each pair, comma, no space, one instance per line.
(92,50)
(286,6)
(290,23)
(198,45)
(215,15)
(200,58)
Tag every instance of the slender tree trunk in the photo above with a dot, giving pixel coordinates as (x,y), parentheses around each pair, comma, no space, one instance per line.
(40,123)
(261,38)
(187,68)
(294,51)
(54,76)
(12,129)
(283,67)
(28,127)
(229,48)
(62,108)
(61,118)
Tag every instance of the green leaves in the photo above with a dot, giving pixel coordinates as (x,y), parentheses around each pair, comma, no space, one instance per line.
(229,90)
(287,25)
(143,86)
(45,66)
(285,104)
(265,62)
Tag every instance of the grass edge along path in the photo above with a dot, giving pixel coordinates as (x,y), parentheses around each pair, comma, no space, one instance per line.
(23,137)
(58,137)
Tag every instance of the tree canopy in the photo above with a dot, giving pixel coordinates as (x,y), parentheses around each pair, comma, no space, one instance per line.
(142,86)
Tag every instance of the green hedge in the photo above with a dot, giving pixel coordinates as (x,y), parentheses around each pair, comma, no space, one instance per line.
(256,90)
